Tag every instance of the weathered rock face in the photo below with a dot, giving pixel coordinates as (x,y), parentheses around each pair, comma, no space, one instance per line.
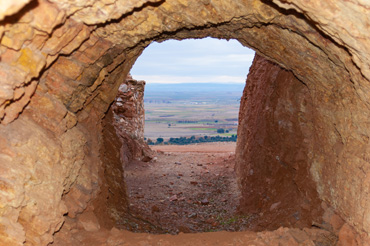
(129,118)
(62,63)
(275,143)
(112,203)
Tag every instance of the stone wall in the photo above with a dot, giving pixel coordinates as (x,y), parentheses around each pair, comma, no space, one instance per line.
(62,63)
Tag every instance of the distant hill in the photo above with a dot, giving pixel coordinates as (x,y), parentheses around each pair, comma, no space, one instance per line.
(202,92)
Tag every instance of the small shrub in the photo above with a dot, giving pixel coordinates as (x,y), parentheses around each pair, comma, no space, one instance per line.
(220,130)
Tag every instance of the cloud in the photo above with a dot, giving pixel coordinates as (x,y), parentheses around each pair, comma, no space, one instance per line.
(209,59)
(167,79)
(217,60)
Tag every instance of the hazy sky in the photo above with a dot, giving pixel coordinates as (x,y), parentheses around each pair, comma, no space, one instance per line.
(194,61)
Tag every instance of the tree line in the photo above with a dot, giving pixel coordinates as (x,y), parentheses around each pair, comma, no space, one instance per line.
(192,140)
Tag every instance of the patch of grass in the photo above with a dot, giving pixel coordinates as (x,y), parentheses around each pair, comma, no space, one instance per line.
(211,230)
(233,220)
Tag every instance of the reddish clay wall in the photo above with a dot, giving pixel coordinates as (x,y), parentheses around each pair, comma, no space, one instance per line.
(112,203)
(276,116)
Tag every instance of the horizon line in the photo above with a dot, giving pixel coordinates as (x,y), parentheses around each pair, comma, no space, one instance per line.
(171,83)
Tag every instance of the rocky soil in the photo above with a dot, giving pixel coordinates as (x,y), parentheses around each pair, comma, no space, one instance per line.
(193,188)
(186,192)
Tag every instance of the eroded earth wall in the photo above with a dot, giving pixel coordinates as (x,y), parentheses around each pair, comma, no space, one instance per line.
(62,63)
(276,138)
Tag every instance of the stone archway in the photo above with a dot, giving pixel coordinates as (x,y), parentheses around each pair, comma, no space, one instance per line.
(62,62)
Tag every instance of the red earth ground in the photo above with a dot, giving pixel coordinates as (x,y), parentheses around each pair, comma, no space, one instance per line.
(186,189)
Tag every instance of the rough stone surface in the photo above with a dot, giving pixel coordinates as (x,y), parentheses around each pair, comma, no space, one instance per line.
(274,145)
(129,119)
(10,8)
(62,63)
(89,222)
(112,203)
(347,236)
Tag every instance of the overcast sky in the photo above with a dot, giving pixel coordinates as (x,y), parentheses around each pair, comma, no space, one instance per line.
(194,61)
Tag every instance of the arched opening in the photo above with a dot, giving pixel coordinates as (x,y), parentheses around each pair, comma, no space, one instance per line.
(192,85)
(187,101)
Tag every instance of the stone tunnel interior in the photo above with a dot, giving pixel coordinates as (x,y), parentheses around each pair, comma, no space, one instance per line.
(303,131)
(294,209)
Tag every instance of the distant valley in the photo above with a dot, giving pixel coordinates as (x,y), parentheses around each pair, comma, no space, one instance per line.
(186,110)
